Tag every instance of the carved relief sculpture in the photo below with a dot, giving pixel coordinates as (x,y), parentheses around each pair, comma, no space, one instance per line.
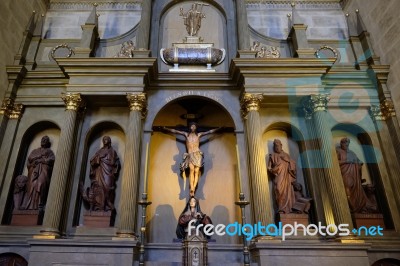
(263,52)
(283,168)
(40,166)
(127,49)
(350,168)
(104,170)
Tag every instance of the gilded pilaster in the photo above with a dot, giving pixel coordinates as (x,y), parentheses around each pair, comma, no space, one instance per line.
(128,202)
(317,105)
(261,204)
(53,211)
(389,166)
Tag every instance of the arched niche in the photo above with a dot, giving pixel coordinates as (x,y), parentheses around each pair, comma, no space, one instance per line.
(213,29)
(169,191)
(386,262)
(30,141)
(361,145)
(93,143)
(12,259)
(292,144)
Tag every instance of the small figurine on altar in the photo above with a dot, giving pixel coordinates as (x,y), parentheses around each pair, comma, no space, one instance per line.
(19,190)
(302,204)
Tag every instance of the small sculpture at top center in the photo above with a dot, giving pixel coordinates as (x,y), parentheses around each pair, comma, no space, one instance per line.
(192,18)
(192,51)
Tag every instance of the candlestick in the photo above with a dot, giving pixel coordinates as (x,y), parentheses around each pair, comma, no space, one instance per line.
(145,169)
(238,163)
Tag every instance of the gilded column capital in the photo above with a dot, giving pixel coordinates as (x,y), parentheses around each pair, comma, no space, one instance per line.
(6,107)
(387,108)
(376,113)
(250,102)
(383,111)
(17,111)
(73,101)
(315,103)
(137,102)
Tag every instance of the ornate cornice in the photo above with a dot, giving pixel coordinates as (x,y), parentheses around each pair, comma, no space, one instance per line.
(250,102)
(315,103)
(300,4)
(101,5)
(73,101)
(383,111)
(137,102)
(6,107)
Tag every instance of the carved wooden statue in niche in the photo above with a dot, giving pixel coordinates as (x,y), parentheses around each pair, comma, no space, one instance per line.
(104,170)
(350,168)
(40,166)
(283,168)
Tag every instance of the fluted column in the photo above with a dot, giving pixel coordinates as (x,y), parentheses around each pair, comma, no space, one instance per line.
(317,106)
(389,113)
(12,113)
(54,204)
(130,176)
(142,40)
(242,25)
(318,186)
(260,202)
(389,166)
(5,111)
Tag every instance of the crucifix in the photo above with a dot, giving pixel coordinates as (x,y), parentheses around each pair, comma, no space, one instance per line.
(193,158)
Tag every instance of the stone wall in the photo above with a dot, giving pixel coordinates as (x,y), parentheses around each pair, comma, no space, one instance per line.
(14,16)
(382,21)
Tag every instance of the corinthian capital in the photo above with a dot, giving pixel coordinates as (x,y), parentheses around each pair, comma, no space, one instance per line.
(137,102)
(376,113)
(383,111)
(315,103)
(387,108)
(73,101)
(250,102)
(7,107)
(17,111)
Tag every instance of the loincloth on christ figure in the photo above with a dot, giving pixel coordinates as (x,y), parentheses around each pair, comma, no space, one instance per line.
(196,158)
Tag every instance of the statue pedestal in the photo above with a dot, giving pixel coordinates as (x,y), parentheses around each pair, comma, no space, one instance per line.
(291,218)
(195,250)
(369,219)
(25,217)
(97,219)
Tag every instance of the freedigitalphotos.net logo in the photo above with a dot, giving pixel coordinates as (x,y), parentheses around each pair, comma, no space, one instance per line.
(280,230)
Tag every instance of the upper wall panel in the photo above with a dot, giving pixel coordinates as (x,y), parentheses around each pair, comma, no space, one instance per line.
(325,20)
(64,19)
